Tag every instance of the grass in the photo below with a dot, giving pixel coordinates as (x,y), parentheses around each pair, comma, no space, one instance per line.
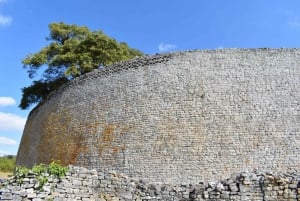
(7,165)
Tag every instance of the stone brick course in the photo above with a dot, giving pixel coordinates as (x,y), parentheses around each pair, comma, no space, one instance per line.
(83,184)
(180,117)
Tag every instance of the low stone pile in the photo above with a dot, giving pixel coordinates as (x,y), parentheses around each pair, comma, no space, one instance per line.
(86,185)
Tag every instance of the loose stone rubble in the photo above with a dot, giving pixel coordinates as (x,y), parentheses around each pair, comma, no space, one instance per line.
(90,185)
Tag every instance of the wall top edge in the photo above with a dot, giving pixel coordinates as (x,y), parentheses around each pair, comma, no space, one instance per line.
(155,59)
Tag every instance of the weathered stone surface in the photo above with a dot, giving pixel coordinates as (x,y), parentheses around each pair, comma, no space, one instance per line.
(180,117)
(120,187)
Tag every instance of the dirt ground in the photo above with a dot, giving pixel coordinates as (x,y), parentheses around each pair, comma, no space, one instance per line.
(5,175)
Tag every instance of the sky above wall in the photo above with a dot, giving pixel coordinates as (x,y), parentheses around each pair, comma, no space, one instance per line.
(151,26)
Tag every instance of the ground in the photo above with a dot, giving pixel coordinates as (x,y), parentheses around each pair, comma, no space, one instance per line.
(5,175)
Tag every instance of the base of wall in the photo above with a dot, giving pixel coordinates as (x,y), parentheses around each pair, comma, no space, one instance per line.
(83,184)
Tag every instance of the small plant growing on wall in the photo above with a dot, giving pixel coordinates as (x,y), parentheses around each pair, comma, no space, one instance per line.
(57,170)
(42,172)
(20,174)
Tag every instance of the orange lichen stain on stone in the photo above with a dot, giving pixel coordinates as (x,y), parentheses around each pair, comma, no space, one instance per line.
(110,140)
(106,139)
(90,128)
(62,140)
(117,149)
(125,129)
(107,135)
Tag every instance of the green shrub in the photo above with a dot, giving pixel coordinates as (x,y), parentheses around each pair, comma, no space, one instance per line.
(21,173)
(39,169)
(7,163)
(42,172)
(56,169)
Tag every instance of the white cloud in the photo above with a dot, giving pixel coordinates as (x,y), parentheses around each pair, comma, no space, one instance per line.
(11,122)
(5,20)
(7,141)
(162,47)
(6,101)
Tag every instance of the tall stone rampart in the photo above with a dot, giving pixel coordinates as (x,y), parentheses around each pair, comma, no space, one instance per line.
(179,117)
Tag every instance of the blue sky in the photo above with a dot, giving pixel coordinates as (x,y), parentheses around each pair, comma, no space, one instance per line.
(151,26)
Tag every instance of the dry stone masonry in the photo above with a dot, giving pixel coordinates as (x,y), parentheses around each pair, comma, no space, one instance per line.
(88,185)
(176,118)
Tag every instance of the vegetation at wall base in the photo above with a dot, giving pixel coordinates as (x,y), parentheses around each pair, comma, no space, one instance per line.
(42,171)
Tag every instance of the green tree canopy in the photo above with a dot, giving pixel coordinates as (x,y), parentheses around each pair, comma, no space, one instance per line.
(73,51)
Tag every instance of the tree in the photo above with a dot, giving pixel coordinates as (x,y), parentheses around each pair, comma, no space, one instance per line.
(73,51)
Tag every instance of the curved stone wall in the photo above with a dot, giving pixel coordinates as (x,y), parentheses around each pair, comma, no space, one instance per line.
(180,117)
